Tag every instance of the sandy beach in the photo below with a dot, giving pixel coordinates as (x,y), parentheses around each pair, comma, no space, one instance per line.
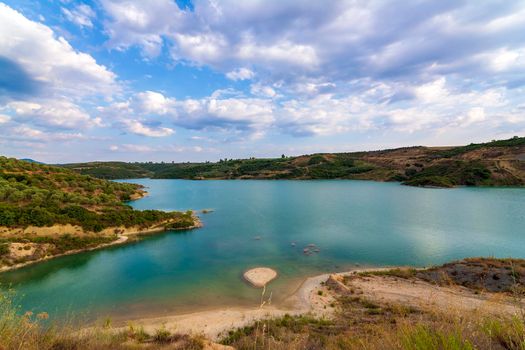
(315,297)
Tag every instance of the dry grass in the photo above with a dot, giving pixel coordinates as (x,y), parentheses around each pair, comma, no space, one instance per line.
(361,323)
(33,332)
(365,324)
(358,323)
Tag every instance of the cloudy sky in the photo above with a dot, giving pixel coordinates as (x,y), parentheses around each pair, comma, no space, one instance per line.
(207,79)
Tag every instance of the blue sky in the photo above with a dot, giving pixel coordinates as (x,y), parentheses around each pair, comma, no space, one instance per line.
(194,80)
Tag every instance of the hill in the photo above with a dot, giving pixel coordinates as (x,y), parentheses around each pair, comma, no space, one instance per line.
(111,170)
(496,163)
(47,211)
(31,160)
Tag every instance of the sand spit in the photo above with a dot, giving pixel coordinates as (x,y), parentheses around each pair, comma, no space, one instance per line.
(260,276)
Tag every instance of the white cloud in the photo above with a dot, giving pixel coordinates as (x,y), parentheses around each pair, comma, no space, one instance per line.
(54,113)
(474,115)
(240,74)
(27,133)
(81,15)
(262,90)
(216,112)
(140,23)
(151,102)
(139,128)
(49,60)
(47,82)
(4,118)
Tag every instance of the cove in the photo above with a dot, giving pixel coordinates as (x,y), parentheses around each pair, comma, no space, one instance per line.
(269,223)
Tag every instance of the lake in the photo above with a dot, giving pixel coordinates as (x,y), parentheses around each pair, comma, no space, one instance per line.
(269,223)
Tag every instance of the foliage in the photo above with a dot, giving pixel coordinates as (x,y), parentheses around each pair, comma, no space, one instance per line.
(512,142)
(427,167)
(451,173)
(39,195)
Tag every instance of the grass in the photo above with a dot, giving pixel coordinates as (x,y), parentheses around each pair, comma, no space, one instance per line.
(28,331)
(358,323)
(362,323)
(397,272)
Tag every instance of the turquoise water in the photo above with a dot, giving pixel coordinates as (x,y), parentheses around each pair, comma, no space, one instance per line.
(352,222)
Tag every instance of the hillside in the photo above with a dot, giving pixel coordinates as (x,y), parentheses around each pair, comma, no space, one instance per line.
(496,163)
(46,211)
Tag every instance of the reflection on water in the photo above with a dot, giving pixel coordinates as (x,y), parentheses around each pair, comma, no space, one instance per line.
(352,222)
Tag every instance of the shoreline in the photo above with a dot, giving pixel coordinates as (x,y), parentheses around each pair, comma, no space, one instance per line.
(214,322)
(122,238)
(316,296)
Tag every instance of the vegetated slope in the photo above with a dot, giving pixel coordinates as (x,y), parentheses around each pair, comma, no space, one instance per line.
(496,163)
(110,170)
(39,196)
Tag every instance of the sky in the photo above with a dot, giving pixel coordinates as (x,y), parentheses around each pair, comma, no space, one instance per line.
(197,80)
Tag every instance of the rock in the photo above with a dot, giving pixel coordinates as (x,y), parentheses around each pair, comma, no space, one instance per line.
(260,276)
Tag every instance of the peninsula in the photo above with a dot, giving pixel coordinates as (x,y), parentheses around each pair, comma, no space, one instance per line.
(47,211)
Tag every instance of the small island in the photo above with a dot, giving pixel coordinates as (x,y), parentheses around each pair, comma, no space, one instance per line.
(48,211)
(260,276)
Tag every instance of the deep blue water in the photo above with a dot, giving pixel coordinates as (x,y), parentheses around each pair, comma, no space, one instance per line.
(352,222)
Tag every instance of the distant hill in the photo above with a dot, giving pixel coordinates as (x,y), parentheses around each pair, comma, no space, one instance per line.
(31,161)
(111,170)
(495,163)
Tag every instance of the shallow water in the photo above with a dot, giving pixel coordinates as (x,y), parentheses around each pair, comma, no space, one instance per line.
(352,222)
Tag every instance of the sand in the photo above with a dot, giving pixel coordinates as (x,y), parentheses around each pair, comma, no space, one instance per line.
(214,324)
(260,276)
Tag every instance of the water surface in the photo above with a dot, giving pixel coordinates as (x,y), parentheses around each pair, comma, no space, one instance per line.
(352,222)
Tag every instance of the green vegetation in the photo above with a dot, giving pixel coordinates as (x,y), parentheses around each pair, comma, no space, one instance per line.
(512,142)
(452,173)
(39,195)
(496,163)
(396,272)
(111,170)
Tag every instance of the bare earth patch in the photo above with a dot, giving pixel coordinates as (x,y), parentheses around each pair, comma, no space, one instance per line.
(424,295)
